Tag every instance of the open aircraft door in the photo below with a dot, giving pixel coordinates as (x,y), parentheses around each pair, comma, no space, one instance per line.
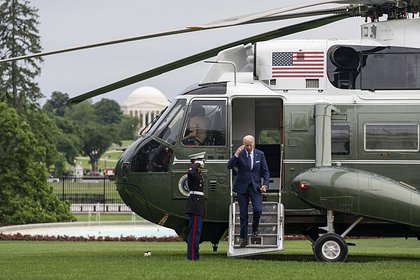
(265,119)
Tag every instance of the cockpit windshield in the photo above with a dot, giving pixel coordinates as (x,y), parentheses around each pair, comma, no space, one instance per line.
(148,126)
(169,124)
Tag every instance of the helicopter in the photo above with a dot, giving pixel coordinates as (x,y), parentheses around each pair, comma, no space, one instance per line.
(337,120)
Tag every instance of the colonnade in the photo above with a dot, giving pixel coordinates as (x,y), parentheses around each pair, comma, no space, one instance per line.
(145,116)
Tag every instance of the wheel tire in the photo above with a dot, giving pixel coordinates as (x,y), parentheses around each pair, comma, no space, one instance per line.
(330,247)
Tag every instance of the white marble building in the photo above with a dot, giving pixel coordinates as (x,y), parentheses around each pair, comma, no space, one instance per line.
(145,103)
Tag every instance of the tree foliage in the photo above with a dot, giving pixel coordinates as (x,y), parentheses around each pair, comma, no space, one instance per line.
(89,129)
(25,196)
(69,139)
(46,133)
(33,140)
(107,111)
(100,127)
(28,136)
(18,37)
(96,142)
(56,105)
(129,127)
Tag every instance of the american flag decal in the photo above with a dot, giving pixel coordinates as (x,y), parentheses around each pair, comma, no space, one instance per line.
(298,64)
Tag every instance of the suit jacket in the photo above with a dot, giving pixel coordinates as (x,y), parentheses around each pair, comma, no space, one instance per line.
(246,175)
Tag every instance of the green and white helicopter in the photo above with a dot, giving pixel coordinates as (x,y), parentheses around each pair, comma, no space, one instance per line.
(338,121)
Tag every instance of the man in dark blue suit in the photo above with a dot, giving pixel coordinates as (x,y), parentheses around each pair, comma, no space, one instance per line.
(252,166)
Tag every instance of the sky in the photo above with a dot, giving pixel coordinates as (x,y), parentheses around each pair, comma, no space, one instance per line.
(70,23)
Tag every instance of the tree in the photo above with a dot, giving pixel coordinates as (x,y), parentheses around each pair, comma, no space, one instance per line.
(81,113)
(28,136)
(99,123)
(56,105)
(25,196)
(97,140)
(46,133)
(129,127)
(107,111)
(19,36)
(69,140)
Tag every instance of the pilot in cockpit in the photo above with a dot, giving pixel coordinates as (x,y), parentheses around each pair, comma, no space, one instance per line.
(198,127)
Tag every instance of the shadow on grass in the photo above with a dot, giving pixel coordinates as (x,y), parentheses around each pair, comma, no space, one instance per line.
(311,258)
(350,258)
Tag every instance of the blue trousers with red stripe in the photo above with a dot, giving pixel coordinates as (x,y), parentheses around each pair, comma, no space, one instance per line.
(195,224)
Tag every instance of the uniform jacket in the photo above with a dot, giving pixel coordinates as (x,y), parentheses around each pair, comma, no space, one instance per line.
(246,175)
(195,203)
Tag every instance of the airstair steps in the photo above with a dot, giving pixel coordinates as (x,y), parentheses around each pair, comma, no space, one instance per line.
(270,230)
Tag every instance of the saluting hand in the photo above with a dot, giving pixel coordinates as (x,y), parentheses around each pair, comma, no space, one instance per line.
(239,150)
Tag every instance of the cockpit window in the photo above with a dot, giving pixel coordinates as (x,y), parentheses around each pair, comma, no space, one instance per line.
(152,157)
(149,125)
(206,124)
(168,129)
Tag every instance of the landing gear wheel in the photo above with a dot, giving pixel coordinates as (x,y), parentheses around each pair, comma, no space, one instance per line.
(215,246)
(330,247)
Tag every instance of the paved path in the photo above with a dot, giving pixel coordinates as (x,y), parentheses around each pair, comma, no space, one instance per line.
(87,229)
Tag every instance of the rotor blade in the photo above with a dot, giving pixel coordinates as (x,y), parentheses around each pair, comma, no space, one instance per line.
(207,54)
(253,17)
(177,31)
(365,2)
(125,40)
(339,10)
(243,19)
(272,15)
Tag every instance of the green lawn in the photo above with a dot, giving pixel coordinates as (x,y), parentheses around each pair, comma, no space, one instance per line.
(109,162)
(370,259)
(126,143)
(108,159)
(88,187)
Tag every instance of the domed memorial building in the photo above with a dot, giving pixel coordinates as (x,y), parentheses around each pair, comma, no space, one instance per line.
(145,103)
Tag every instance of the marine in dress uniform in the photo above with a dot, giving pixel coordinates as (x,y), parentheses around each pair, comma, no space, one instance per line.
(195,205)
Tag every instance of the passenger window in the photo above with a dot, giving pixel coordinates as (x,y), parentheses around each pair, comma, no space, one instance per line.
(374,68)
(392,137)
(383,71)
(206,124)
(340,139)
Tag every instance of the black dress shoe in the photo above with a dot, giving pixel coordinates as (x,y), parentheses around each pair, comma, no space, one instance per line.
(255,233)
(243,242)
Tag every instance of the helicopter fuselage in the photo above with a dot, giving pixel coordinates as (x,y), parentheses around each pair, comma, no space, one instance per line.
(372,136)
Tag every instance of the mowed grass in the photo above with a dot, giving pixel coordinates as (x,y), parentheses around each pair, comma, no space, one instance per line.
(370,259)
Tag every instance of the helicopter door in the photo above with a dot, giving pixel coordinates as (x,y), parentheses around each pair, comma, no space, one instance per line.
(262,118)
